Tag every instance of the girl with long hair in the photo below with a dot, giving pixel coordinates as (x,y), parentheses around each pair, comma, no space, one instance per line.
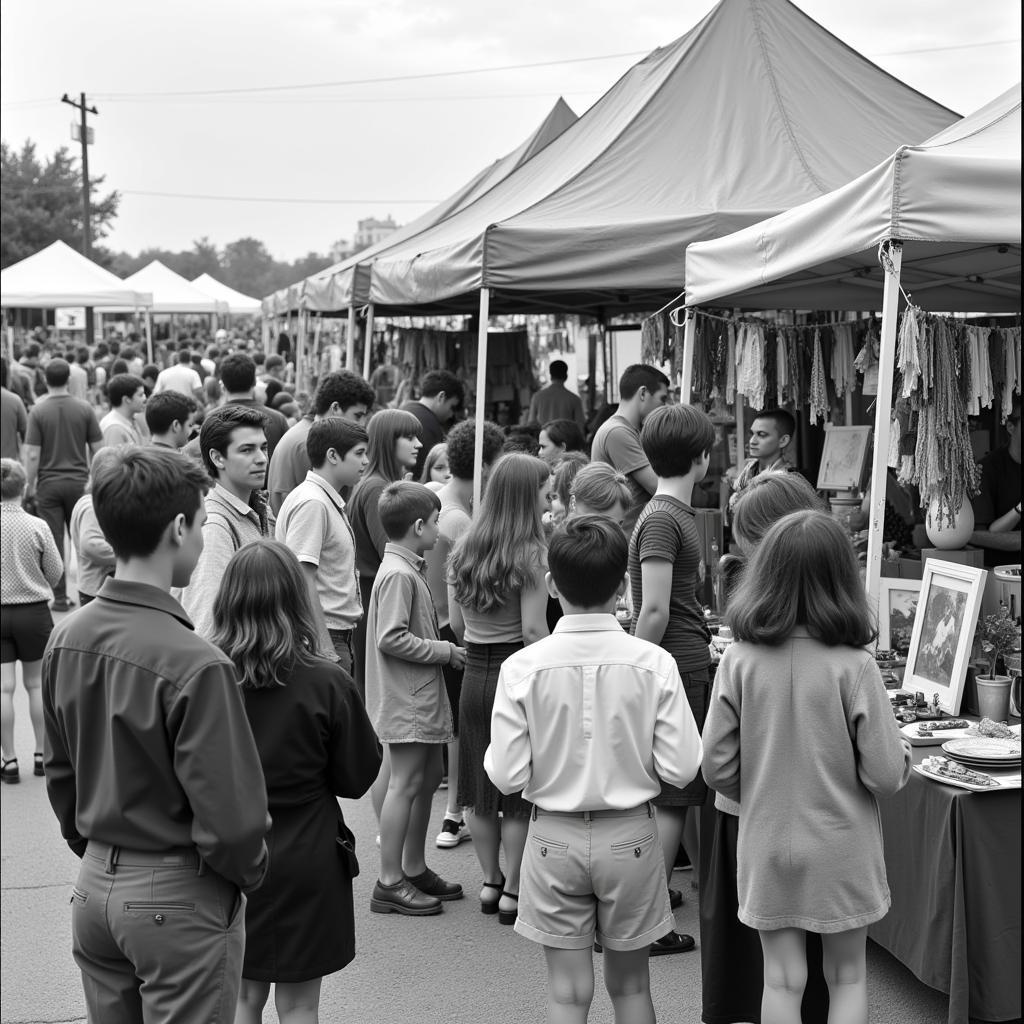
(800,723)
(316,744)
(497,602)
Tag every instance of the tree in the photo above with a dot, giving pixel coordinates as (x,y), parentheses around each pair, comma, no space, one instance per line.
(249,267)
(41,203)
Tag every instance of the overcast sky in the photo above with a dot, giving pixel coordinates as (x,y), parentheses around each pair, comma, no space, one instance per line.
(388,147)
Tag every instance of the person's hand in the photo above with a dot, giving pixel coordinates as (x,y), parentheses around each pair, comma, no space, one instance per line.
(456,656)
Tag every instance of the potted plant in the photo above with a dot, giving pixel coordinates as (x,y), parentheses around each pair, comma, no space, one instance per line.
(998,636)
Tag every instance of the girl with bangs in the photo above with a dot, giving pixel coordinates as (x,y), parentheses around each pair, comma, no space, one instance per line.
(315,744)
(497,600)
(392,450)
(801,726)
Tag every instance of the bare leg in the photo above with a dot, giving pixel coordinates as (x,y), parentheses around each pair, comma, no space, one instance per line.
(513,837)
(452,809)
(380,786)
(627,976)
(570,984)
(486,838)
(298,1002)
(670,829)
(785,975)
(7,677)
(845,967)
(691,840)
(252,997)
(414,852)
(408,762)
(32,677)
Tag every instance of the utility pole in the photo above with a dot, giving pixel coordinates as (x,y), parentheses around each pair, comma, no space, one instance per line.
(85,137)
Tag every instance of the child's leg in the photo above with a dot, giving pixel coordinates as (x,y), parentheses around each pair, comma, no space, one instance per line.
(571,984)
(379,788)
(413,852)
(252,997)
(785,975)
(7,678)
(691,840)
(486,837)
(627,977)
(408,764)
(298,1002)
(844,962)
(670,828)
(513,837)
(32,676)
(452,809)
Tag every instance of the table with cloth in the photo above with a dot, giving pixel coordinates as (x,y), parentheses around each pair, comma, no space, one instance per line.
(953,859)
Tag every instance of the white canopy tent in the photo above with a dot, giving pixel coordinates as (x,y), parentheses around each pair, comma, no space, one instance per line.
(942,218)
(237,303)
(172,293)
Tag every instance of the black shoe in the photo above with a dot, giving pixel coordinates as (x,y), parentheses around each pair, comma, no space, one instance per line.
(673,942)
(682,861)
(403,898)
(37,765)
(675,898)
(9,771)
(509,916)
(432,884)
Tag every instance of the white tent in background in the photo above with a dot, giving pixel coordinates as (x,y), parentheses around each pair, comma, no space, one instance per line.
(944,218)
(172,293)
(59,276)
(237,303)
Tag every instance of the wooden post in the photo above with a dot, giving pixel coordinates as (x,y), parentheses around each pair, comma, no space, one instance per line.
(481,395)
(883,416)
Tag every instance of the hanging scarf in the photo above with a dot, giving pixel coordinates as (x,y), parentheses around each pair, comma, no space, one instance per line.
(819,391)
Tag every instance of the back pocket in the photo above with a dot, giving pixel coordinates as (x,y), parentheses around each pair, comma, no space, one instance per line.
(634,849)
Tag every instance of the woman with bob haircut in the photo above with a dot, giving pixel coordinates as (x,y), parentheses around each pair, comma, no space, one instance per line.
(558,437)
(497,601)
(315,744)
(800,723)
(599,490)
(394,442)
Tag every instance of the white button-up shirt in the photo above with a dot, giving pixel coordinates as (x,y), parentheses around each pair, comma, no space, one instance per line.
(589,719)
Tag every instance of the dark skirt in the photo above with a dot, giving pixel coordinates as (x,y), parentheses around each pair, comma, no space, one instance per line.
(732,967)
(697,687)
(359,636)
(479,684)
(300,924)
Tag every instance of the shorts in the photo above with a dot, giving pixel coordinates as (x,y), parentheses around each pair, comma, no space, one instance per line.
(452,679)
(24,630)
(594,875)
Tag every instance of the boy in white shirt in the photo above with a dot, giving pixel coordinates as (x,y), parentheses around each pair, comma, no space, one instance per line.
(587,722)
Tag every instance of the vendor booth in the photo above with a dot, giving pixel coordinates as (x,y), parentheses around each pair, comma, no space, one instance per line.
(936,227)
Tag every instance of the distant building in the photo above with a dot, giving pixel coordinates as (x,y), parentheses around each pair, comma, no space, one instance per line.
(370,231)
(341,250)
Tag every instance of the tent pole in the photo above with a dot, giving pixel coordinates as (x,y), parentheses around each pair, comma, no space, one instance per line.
(689,339)
(481,397)
(368,342)
(149,332)
(350,339)
(265,335)
(883,415)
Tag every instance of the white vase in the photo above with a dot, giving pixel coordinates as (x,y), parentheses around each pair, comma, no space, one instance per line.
(945,535)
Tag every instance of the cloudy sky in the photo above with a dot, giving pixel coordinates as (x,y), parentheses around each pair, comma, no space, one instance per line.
(384,147)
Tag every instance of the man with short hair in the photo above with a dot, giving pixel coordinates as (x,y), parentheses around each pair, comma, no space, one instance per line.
(556,401)
(180,377)
(642,389)
(233,447)
(61,435)
(78,382)
(997,506)
(441,394)
(341,393)
(238,384)
(13,417)
(150,764)
(169,418)
(127,395)
(771,434)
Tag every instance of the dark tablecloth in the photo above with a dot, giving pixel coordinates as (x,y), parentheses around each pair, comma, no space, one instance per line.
(953,859)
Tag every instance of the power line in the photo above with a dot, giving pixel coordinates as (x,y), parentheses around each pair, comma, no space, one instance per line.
(225,199)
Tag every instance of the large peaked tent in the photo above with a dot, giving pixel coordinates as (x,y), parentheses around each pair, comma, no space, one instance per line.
(753,111)
(59,276)
(335,287)
(172,293)
(237,303)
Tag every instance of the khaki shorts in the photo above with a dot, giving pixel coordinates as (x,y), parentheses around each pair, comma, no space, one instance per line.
(594,875)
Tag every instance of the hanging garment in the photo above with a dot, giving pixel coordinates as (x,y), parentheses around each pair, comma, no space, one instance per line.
(819,391)
(730,364)
(907,361)
(842,359)
(781,367)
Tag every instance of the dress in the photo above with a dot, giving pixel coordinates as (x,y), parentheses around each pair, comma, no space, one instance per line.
(315,743)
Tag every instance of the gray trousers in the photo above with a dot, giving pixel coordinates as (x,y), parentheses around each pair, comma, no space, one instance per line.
(158,939)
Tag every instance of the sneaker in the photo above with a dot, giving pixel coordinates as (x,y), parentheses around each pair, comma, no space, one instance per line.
(452,833)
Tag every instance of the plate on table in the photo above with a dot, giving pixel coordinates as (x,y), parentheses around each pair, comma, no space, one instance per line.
(931,738)
(992,783)
(984,750)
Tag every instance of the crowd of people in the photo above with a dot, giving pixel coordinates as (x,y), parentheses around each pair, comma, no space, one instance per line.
(305,593)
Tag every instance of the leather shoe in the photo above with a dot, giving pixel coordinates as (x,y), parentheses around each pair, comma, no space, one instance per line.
(432,884)
(675,898)
(673,942)
(403,898)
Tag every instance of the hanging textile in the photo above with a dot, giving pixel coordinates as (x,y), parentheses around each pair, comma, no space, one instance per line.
(730,362)
(842,359)
(1011,367)
(819,393)
(907,362)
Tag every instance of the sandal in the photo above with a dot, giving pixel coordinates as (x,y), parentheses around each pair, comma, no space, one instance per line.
(673,942)
(491,906)
(37,765)
(9,771)
(509,916)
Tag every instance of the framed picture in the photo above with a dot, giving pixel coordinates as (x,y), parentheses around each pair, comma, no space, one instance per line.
(844,458)
(940,645)
(897,610)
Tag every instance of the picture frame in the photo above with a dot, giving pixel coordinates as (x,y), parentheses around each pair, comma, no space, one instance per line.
(940,647)
(844,458)
(898,601)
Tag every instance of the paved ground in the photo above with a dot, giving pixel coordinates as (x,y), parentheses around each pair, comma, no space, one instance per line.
(458,968)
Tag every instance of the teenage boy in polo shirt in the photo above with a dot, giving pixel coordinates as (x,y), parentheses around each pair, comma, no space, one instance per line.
(169,417)
(150,764)
(593,866)
(127,395)
(313,523)
(234,450)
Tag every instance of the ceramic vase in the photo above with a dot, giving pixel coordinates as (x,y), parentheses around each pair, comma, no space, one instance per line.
(945,535)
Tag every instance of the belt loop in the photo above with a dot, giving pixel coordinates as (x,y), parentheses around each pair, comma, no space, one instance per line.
(113,852)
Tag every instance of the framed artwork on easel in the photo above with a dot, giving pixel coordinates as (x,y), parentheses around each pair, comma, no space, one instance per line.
(844,458)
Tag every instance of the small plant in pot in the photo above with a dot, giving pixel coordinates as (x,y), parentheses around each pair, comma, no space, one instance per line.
(997,636)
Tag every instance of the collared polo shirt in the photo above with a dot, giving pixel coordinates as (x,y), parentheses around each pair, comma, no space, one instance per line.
(118,430)
(313,523)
